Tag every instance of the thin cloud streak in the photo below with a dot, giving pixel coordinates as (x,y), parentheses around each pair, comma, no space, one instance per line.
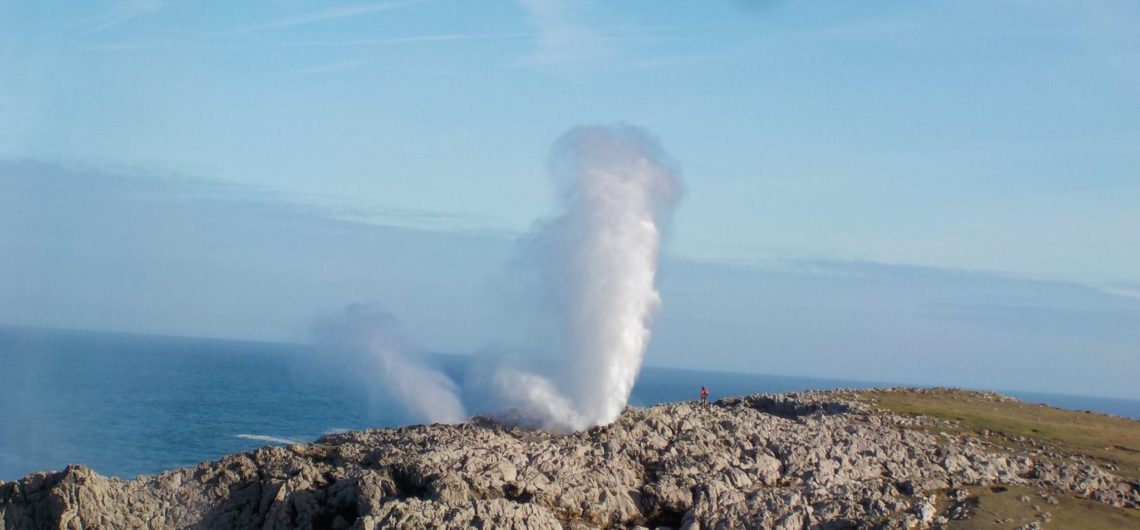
(328,68)
(147,45)
(610,34)
(412,39)
(328,14)
(1127,289)
(615,34)
(561,37)
(677,61)
(126,12)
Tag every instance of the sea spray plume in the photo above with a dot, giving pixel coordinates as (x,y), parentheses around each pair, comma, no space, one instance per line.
(366,343)
(598,268)
(619,194)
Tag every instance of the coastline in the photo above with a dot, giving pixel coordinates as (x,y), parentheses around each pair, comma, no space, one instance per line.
(839,457)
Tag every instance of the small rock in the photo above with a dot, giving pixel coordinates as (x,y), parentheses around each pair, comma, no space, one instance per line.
(925,512)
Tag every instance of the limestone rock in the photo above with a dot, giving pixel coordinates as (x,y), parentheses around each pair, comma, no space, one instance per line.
(785,461)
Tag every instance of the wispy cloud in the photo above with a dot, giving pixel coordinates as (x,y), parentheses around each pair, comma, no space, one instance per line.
(429,39)
(123,12)
(119,46)
(409,39)
(1128,289)
(327,14)
(328,68)
(146,45)
(562,37)
(114,185)
(675,61)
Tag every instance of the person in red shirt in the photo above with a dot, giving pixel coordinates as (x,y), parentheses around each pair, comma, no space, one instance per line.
(704,396)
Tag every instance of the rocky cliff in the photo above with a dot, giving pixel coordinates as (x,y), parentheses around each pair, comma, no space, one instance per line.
(808,460)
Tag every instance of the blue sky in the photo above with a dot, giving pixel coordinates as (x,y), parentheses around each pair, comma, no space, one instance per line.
(971,169)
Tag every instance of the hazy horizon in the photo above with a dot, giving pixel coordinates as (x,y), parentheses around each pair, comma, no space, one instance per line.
(817,317)
(292,349)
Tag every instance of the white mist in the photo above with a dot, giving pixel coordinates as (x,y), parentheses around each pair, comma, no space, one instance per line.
(599,267)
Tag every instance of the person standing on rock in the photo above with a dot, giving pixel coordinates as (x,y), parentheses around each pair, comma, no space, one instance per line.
(704,396)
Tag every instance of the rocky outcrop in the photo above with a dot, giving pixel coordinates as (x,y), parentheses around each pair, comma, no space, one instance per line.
(793,461)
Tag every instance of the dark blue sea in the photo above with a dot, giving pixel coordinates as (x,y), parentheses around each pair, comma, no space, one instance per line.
(133,404)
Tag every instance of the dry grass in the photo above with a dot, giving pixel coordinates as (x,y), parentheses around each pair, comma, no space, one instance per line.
(1003,508)
(1026,429)
(1106,439)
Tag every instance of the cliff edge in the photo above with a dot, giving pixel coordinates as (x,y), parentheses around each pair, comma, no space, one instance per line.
(826,460)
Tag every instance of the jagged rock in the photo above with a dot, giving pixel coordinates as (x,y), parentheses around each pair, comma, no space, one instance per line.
(767,461)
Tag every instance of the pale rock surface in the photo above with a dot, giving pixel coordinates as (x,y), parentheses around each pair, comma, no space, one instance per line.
(793,461)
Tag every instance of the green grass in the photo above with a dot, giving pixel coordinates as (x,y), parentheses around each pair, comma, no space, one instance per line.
(1106,439)
(996,505)
(1017,427)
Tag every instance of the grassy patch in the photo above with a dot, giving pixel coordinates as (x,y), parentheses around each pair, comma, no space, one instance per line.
(1027,429)
(1106,439)
(996,506)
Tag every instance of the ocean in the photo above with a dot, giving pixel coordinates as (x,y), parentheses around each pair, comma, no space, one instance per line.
(134,404)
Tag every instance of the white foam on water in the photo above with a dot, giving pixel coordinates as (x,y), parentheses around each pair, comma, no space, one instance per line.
(267,439)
